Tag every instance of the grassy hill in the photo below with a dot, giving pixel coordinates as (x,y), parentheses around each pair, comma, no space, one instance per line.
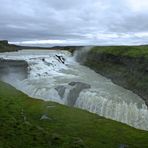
(31,123)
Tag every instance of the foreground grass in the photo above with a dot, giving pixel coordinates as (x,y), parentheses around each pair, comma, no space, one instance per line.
(61,127)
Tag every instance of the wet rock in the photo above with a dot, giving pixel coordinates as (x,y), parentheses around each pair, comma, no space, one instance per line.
(61,91)
(80,84)
(60,59)
(75,91)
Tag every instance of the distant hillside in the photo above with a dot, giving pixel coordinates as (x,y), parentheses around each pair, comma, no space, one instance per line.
(6,47)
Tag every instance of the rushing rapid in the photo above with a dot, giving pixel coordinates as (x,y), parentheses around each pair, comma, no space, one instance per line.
(56,76)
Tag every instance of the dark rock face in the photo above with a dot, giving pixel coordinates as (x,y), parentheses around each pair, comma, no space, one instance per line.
(14,68)
(128,72)
(74,93)
(61,91)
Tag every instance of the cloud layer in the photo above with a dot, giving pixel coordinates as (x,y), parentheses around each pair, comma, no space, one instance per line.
(85,22)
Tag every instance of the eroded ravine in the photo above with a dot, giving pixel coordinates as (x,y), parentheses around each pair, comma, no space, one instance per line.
(56,76)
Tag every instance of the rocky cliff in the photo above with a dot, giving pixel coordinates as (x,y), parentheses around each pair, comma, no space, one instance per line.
(125,66)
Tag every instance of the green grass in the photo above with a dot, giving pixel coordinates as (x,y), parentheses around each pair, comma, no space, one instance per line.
(131,51)
(20,125)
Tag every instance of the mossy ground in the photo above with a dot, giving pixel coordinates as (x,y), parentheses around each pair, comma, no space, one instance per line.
(65,127)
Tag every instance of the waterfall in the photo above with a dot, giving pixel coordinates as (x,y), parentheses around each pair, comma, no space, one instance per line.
(75,85)
(128,113)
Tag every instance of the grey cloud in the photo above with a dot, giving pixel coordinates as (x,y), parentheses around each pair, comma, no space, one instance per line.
(83,20)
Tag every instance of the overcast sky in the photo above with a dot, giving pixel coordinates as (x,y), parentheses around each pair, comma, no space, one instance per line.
(74,22)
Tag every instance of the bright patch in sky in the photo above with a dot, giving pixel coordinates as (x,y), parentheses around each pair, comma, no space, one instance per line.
(139,5)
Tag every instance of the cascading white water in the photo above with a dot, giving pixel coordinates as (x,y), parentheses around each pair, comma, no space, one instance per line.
(75,85)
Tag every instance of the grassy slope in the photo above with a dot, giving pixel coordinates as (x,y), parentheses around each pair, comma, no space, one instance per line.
(20,125)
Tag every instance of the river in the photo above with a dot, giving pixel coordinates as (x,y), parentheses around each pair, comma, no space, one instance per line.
(55,75)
